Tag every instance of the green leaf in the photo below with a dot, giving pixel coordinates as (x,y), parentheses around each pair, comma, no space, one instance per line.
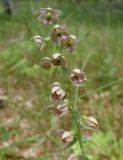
(71,143)
(47,39)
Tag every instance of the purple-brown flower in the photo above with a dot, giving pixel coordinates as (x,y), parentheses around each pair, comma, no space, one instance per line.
(71,43)
(57,93)
(65,136)
(48,16)
(77,76)
(60,109)
(59,60)
(59,33)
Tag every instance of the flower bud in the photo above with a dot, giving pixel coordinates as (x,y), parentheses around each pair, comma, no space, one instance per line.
(59,60)
(77,76)
(91,122)
(38,39)
(60,109)
(67,137)
(45,63)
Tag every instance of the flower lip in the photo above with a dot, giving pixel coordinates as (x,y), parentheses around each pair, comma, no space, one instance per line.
(70,49)
(61,37)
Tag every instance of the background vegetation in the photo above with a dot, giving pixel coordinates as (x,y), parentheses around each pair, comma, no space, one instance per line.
(25,125)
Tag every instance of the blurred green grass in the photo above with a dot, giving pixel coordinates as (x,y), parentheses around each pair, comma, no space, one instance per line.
(100,33)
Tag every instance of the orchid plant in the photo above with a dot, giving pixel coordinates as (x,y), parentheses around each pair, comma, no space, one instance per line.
(64,42)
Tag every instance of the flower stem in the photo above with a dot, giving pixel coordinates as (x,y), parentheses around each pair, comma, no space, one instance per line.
(77,125)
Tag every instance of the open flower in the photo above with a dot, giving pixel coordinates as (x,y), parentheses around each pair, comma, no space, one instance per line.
(91,122)
(59,33)
(60,109)
(77,76)
(71,42)
(57,93)
(48,16)
(59,60)
(45,63)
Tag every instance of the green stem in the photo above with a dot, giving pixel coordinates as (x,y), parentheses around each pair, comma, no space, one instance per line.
(77,125)
(55,70)
(76,96)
